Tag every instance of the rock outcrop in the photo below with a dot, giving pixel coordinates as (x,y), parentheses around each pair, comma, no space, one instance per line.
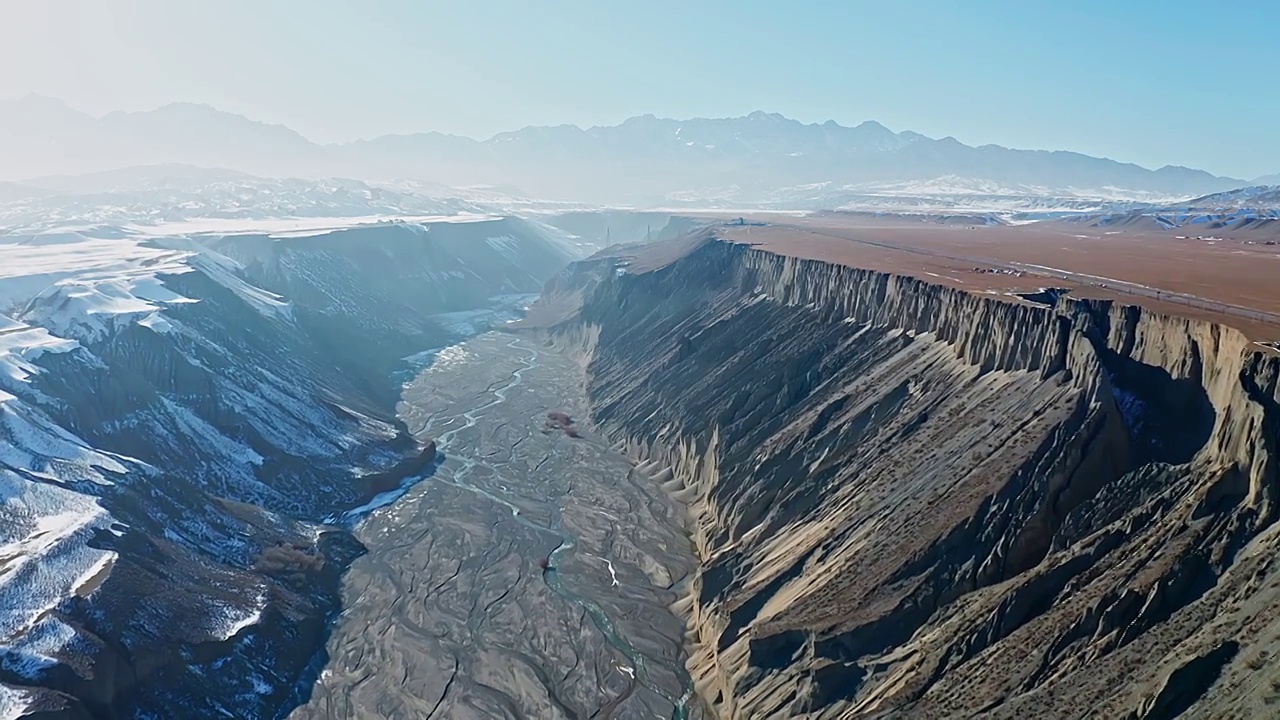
(910,501)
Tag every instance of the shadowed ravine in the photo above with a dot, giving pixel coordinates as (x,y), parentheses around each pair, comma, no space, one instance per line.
(451,615)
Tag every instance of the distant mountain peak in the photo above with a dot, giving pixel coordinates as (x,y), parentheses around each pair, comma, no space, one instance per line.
(644,159)
(32,98)
(42,105)
(187,105)
(870,125)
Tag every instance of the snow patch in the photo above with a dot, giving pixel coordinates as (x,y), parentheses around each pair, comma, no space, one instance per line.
(505,245)
(157,323)
(30,441)
(90,307)
(202,434)
(223,270)
(20,346)
(14,702)
(379,501)
(451,356)
(236,619)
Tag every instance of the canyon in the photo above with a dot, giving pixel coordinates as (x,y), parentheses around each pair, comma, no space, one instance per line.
(910,500)
(183,419)
(528,576)
(484,466)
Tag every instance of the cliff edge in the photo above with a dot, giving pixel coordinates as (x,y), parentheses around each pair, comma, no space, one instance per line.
(911,501)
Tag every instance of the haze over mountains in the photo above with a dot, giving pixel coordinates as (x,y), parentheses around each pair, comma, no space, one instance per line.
(644,160)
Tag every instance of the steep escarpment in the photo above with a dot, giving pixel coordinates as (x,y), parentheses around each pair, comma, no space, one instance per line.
(180,441)
(910,501)
(368,295)
(604,228)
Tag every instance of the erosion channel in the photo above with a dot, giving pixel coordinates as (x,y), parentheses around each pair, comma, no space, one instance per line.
(451,613)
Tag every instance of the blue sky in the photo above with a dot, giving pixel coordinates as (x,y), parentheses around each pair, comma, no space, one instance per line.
(1156,83)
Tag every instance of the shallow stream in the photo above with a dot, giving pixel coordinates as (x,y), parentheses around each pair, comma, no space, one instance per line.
(451,614)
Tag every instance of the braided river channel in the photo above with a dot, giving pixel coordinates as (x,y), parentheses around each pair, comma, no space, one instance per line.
(528,576)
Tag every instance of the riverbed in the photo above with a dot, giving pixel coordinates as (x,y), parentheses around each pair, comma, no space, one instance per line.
(529,576)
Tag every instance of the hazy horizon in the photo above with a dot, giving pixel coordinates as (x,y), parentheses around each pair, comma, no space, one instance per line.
(579,126)
(490,136)
(426,131)
(1132,85)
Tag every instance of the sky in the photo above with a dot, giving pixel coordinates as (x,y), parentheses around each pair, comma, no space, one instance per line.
(1174,82)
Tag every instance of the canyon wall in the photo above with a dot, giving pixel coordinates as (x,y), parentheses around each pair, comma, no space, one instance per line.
(911,501)
(184,427)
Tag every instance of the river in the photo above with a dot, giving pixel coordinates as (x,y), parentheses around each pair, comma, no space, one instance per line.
(451,613)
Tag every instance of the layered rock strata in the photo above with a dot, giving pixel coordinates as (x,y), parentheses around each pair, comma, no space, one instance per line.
(912,501)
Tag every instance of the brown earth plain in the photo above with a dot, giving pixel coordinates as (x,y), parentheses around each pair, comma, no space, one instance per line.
(1194,275)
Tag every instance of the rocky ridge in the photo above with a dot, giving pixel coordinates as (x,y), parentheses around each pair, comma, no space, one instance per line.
(910,501)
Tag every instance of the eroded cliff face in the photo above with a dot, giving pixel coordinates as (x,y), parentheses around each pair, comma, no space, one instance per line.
(185,437)
(910,501)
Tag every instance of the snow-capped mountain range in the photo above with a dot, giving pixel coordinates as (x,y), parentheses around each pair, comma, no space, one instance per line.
(1250,210)
(643,161)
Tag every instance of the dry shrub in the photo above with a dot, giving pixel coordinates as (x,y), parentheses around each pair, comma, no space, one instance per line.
(290,563)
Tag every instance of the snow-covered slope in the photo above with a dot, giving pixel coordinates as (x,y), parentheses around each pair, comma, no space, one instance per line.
(950,195)
(177,413)
(1249,210)
(1257,197)
(167,194)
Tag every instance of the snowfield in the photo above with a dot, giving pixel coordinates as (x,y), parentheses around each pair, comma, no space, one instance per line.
(20,346)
